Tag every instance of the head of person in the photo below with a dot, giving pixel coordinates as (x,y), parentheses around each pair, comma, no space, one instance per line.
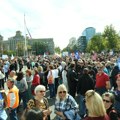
(108,99)
(36,70)
(118,80)
(50,67)
(40,91)
(12,73)
(20,76)
(28,72)
(34,114)
(80,63)
(85,70)
(100,67)
(40,68)
(62,92)
(72,64)
(94,104)
(10,82)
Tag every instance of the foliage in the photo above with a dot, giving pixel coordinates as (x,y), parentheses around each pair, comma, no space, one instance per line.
(112,38)
(40,48)
(57,50)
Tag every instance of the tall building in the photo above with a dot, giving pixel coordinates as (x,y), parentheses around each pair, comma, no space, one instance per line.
(82,43)
(17,44)
(72,42)
(89,33)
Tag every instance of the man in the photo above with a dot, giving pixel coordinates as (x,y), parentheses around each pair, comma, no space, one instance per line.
(102,80)
(12,99)
(72,79)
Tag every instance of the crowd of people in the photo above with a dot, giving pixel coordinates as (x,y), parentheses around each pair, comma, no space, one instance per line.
(95,81)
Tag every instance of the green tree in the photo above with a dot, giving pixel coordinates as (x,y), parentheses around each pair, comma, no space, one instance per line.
(40,48)
(97,43)
(57,50)
(112,38)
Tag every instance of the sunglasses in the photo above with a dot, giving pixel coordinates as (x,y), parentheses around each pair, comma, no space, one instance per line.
(62,92)
(42,91)
(107,101)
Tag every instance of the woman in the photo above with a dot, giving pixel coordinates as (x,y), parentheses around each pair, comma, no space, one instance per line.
(95,106)
(51,77)
(3,104)
(40,102)
(22,86)
(29,78)
(117,94)
(64,77)
(108,100)
(36,80)
(65,105)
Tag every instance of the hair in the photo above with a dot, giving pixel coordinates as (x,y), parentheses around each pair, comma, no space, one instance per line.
(39,88)
(61,87)
(36,70)
(110,95)
(29,72)
(20,76)
(34,114)
(51,67)
(40,68)
(94,103)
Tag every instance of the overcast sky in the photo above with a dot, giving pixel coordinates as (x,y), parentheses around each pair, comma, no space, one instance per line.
(58,19)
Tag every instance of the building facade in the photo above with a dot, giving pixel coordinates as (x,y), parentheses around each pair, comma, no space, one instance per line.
(17,44)
(82,43)
(89,33)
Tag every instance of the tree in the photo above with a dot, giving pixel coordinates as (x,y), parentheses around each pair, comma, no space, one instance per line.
(112,38)
(97,43)
(40,48)
(57,50)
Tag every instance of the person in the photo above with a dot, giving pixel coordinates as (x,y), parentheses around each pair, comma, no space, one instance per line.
(40,102)
(21,84)
(117,94)
(29,78)
(2,76)
(36,80)
(102,80)
(34,114)
(95,106)
(72,79)
(65,105)
(12,99)
(13,74)
(3,104)
(108,100)
(51,80)
(64,77)
(85,83)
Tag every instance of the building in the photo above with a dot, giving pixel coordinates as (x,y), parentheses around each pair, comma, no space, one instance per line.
(82,43)
(89,33)
(17,44)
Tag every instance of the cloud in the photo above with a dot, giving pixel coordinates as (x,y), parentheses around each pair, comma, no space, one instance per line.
(60,19)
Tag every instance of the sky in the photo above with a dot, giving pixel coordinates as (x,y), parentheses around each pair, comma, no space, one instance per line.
(57,19)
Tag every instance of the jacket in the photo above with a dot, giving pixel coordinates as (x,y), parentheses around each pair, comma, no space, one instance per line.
(13,98)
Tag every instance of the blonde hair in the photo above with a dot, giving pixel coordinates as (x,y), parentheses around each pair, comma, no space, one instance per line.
(39,88)
(61,87)
(94,103)
(40,68)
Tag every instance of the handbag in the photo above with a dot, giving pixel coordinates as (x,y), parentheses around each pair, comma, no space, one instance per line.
(50,78)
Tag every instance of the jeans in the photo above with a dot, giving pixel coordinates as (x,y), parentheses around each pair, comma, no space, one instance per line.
(13,114)
(23,96)
(52,90)
(82,106)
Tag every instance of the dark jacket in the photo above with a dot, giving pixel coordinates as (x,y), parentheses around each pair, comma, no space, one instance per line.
(85,83)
